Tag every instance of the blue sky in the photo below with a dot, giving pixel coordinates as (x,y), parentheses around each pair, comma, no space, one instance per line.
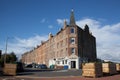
(27,22)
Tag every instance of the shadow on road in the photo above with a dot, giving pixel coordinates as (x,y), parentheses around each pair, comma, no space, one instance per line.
(33,71)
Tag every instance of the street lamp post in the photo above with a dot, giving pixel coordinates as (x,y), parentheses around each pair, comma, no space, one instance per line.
(6,50)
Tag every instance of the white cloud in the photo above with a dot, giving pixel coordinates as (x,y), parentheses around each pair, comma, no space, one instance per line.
(107,38)
(43,20)
(19,46)
(50,26)
(61,21)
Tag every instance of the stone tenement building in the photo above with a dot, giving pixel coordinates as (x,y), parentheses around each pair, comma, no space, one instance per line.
(71,46)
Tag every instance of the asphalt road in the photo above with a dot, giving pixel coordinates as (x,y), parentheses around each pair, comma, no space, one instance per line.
(36,74)
(50,73)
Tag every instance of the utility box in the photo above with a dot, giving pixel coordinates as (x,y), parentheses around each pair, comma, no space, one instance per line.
(10,69)
(92,69)
(109,68)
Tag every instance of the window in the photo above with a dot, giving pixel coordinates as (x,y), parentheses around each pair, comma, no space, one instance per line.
(66,41)
(65,61)
(66,49)
(57,45)
(61,51)
(58,62)
(72,40)
(72,30)
(72,50)
(61,43)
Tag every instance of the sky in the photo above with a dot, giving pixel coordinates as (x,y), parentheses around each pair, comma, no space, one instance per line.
(25,23)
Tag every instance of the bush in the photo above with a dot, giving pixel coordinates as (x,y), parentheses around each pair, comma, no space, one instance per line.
(1,63)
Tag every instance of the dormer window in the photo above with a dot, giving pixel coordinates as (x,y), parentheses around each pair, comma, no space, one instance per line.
(72,30)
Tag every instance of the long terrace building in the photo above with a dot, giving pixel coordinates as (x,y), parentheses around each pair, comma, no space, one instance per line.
(71,46)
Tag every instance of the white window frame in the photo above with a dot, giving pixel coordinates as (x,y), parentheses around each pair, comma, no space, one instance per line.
(73,50)
(72,40)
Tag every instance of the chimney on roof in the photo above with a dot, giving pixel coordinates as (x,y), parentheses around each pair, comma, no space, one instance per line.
(50,35)
(86,28)
(65,24)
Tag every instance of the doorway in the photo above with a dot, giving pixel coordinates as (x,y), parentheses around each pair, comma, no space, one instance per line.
(73,64)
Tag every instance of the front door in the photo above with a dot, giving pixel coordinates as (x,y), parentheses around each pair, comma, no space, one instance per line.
(73,64)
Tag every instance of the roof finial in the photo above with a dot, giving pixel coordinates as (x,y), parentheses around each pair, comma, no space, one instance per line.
(72,10)
(72,19)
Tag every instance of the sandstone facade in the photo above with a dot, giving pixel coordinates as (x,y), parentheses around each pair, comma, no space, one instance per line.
(71,46)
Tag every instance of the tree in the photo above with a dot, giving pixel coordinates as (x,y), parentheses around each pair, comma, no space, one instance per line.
(10,58)
(13,57)
(2,61)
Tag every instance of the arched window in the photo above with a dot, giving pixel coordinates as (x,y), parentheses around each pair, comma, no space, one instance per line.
(72,30)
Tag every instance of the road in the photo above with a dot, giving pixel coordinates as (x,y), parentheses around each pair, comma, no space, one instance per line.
(50,73)
(36,74)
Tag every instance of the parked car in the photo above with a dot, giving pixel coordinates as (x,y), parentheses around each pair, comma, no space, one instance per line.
(42,66)
(33,65)
(29,66)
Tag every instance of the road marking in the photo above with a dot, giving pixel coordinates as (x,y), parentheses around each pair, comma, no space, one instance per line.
(45,77)
(60,71)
